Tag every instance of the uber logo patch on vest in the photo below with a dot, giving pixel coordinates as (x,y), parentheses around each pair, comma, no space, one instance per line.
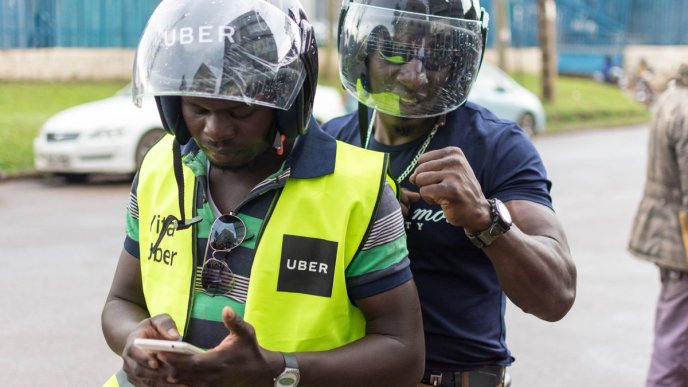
(307,266)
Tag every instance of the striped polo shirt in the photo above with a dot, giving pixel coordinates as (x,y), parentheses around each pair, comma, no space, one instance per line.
(380,265)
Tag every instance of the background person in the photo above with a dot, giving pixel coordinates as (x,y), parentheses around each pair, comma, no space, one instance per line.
(660,231)
(642,82)
(479,216)
(285,257)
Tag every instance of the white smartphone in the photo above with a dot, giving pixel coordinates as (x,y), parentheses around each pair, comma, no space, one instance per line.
(155,345)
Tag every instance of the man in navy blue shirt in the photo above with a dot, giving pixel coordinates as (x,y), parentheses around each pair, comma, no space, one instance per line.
(475,192)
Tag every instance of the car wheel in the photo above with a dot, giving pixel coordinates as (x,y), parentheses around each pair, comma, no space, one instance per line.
(145,143)
(527,123)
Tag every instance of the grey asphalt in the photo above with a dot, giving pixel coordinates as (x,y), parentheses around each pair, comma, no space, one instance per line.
(58,250)
(59,246)
(606,338)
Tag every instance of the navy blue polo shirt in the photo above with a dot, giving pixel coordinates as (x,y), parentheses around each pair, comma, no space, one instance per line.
(462,301)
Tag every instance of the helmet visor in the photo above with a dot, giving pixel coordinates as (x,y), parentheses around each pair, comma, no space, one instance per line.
(244,51)
(408,64)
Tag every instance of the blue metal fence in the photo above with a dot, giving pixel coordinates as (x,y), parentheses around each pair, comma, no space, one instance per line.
(88,23)
(598,22)
(73,23)
(590,32)
(26,23)
(660,22)
(587,30)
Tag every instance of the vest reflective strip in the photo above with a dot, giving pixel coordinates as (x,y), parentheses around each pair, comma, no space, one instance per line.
(336,207)
(167,272)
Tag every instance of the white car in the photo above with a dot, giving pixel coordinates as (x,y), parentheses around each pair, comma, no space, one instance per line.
(504,97)
(108,136)
(329,102)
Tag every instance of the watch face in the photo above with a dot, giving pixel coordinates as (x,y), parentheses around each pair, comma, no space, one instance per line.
(288,378)
(504,212)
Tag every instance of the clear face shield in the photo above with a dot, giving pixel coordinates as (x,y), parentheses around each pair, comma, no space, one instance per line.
(243,51)
(408,64)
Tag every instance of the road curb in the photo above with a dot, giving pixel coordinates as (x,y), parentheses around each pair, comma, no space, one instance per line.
(27,174)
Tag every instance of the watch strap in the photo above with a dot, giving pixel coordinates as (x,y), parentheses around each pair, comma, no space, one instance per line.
(290,361)
(485,238)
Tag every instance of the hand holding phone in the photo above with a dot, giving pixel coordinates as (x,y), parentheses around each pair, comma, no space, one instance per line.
(156,345)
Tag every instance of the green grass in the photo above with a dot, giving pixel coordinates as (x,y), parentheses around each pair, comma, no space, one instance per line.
(24,107)
(584,103)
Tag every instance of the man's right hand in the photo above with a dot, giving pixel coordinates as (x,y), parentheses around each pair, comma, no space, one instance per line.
(237,361)
(408,197)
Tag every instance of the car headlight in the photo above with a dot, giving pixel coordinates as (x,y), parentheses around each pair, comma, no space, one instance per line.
(107,133)
(60,137)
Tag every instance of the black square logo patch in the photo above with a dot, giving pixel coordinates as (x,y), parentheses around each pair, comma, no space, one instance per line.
(307,266)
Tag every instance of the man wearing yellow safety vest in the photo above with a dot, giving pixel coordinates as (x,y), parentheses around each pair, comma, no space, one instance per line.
(251,233)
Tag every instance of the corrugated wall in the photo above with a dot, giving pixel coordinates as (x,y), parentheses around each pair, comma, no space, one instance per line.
(110,23)
(26,23)
(658,22)
(118,23)
(72,23)
(601,22)
(589,31)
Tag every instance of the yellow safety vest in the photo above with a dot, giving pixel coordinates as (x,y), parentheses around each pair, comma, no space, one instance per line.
(326,216)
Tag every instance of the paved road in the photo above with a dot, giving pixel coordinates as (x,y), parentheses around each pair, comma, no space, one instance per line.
(58,251)
(605,340)
(59,245)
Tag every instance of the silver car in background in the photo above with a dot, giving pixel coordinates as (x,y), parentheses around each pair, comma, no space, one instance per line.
(499,93)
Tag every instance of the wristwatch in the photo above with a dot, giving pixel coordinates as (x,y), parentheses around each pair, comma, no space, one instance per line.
(290,376)
(501,223)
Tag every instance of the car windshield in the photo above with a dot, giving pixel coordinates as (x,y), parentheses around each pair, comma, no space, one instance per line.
(495,75)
